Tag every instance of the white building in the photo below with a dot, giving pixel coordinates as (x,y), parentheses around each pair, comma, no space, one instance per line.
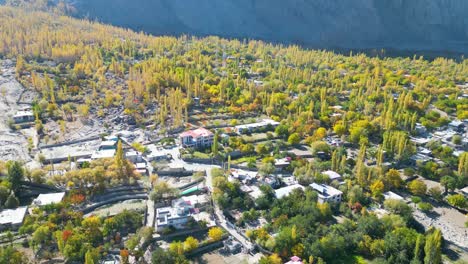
(285,191)
(198,138)
(48,198)
(327,194)
(176,216)
(12,218)
(332,175)
(103,154)
(134,156)
(248,128)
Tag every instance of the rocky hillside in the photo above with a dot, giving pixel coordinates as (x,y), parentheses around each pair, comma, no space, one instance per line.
(401,24)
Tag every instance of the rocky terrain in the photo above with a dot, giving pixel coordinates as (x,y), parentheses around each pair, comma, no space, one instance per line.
(437,25)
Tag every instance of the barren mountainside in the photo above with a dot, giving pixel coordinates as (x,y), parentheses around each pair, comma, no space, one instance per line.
(400,24)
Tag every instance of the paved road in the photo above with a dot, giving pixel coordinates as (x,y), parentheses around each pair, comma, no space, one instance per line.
(177,163)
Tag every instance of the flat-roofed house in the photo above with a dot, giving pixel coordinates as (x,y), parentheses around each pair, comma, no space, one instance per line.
(48,198)
(23,117)
(326,193)
(12,219)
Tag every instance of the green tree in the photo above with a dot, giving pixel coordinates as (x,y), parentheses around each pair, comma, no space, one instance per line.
(282,131)
(12,201)
(393,178)
(449,183)
(15,175)
(215,146)
(433,247)
(377,188)
(4,193)
(457,200)
(294,139)
(417,187)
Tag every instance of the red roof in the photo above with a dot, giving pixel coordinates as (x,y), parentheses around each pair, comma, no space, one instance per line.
(196,133)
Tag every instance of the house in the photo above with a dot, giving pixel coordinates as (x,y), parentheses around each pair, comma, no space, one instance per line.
(294,260)
(333,176)
(249,128)
(464,191)
(281,164)
(12,219)
(197,138)
(141,168)
(103,154)
(195,201)
(175,216)
(23,117)
(392,195)
(48,198)
(285,191)
(457,125)
(108,144)
(326,193)
(134,156)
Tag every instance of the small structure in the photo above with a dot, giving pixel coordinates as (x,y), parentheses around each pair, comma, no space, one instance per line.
(326,193)
(281,164)
(134,156)
(24,116)
(103,154)
(12,218)
(294,260)
(392,195)
(332,175)
(141,168)
(198,138)
(285,191)
(457,125)
(48,198)
(176,216)
(464,191)
(249,128)
(108,144)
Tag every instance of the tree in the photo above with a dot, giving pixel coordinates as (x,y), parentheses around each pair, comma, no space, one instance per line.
(282,131)
(176,247)
(377,188)
(190,244)
(432,248)
(12,201)
(4,193)
(417,187)
(41,236)
(92,256)
(15,175)
(393,178)
(215,233)
(435,193)
(339,129)
(120,159)
(272,259)
(449,183)
(124,254)
(294,139)
(398,207)
(425,207)
(457,200)
(215,146)
(267,169)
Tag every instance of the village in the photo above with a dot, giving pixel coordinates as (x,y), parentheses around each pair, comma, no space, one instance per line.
(208,179)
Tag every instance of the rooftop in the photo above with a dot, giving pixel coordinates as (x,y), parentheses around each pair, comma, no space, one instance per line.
(49,198)
(13,216)
(102,154)
(199,132)
(285,191)
(325,190)
(332,175)
(264,122)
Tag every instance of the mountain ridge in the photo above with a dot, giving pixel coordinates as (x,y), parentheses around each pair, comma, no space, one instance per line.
(398,24)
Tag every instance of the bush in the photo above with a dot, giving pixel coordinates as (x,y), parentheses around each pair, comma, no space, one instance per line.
(416,199)
(425,207)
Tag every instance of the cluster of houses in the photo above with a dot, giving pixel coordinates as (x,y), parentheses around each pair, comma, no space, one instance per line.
(444,135)
(12,219)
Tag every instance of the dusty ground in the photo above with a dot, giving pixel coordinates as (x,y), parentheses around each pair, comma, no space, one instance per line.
(218,258)
(13,144)
(74,130)
(119,207)
(450,221)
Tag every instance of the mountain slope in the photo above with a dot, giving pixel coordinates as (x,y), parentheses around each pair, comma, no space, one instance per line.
(401,24)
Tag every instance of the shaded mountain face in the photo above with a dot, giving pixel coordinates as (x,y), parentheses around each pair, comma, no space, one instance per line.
(399,24)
